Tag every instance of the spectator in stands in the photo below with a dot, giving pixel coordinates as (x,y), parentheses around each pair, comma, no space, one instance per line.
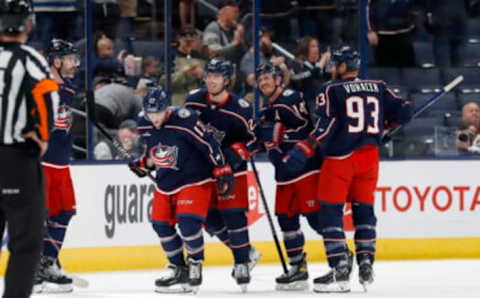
(150,75)
(104,61)
(128,137)
(468,139)
(447,21)
(319,18)
(224,37)
(186,10)
(306,80)
(274,14)
(128,12)
(188,65)
(390,25)
(115,101)
(55,19)
(247,65)
(106,17)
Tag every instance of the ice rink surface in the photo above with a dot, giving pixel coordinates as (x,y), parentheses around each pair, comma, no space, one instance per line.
(405,279)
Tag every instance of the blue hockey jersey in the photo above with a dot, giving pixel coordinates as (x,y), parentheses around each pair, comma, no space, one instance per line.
(61,140)
(232,119)
(183,151)
(352,113)
(289,108)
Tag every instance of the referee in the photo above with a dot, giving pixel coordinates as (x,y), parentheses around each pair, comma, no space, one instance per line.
(28,101)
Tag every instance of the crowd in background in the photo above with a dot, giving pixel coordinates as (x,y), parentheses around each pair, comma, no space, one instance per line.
(128,47)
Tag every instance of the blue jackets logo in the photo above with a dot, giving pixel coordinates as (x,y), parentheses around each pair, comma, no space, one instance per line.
(64,118)
(165,156)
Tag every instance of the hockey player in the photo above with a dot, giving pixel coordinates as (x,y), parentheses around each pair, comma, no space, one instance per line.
(284,121)
(184,154)
(63,59)
(352,114)
(230,118)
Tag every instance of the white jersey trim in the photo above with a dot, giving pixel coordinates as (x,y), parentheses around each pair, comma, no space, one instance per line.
(55,166)
(307,174)
(163,192)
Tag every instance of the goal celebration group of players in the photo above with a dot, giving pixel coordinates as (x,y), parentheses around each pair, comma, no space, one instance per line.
(197,156)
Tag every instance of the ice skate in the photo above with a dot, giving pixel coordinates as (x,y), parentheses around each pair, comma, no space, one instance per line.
(253,257)
(194,274)
(241,275)
(337,280)
(50,279)
(295,279)
(175,282)
(365,272)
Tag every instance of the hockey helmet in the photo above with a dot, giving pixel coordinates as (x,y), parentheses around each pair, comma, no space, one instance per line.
(14,15)
(266,68)
(348,55)
(155,100)
(219,65)
(60,48)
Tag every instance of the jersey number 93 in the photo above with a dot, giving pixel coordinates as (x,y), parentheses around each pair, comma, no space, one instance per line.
(364,113)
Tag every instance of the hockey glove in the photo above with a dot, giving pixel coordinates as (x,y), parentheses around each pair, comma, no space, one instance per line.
(296,159)
(271,135)
(137,165)
(236,155)
(225,180)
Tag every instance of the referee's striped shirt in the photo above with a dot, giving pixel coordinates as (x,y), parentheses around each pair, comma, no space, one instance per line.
(28,94)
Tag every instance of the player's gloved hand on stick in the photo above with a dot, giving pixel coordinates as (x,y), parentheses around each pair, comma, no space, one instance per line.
(271,134)
(297,157)
(225,180)
(236,155)
(138,165)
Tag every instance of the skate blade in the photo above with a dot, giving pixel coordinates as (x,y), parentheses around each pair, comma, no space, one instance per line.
(337,287)
(300,285)
(365,284)
(195,289)
(52,288)
(79,282)
(179,288)
(243,287)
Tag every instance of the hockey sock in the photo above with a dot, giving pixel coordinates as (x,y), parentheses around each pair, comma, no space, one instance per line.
(192,235)
(364,221)
(293,238)
(216,227)
(171,243)
(314,221)
(56,228)
(331,221)
(237,226)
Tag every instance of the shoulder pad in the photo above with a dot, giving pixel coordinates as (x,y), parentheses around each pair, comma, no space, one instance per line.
(243,103)
(183,112)
(288,92)
(194,91)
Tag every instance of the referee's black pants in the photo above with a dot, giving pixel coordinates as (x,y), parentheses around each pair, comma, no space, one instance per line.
(22,208)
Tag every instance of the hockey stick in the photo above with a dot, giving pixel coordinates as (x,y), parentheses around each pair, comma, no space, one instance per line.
(91,115)
(269,217)
(387,137)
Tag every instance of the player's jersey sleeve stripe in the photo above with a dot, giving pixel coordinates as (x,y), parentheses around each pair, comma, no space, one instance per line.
(319,138)
(40,93)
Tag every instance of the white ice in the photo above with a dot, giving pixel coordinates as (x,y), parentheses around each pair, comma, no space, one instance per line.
(402,279)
